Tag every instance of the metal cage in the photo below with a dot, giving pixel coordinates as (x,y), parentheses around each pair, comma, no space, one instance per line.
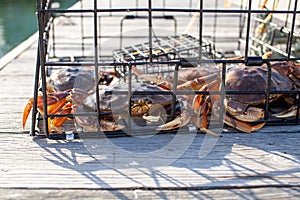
(158,38)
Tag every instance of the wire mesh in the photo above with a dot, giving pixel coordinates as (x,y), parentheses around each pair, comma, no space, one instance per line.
(143,43)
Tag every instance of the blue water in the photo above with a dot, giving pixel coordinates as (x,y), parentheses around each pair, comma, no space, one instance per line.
(18,21)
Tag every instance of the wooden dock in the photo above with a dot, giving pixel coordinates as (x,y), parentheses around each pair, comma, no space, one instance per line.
(260,165)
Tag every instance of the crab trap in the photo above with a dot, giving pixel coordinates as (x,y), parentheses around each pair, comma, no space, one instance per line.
(125,68)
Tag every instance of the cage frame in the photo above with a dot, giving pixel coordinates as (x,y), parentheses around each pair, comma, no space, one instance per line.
(45,15)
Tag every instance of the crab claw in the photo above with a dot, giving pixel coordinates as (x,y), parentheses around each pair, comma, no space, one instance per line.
(267,55)
(185,118)
(182,120)
(291,112)
(242,112)
(242,126)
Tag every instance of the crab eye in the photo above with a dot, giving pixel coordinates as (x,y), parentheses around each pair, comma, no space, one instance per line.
(141,101)
(147,100)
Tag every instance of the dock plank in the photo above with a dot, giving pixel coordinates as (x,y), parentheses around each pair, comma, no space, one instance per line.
(237,160)
(260,193)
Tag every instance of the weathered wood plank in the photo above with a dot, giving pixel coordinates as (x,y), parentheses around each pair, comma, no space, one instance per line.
(237,160)
(247,193)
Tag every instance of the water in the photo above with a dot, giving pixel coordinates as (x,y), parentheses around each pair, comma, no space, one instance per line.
(18,21)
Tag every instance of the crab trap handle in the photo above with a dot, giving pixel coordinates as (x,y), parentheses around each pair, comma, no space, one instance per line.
(254,61)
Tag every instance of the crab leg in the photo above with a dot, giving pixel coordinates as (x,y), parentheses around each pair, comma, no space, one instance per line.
(26,112)
(28,108)
(59,121)
(110,126)
(203,112)
(194,110)
(185,118)
(203,108)
(201,120)
(242,112)
(197,83)
(52,99)
(52,109)
(291,112)
(262,26)
(242,126)
(201,115)
(147,77)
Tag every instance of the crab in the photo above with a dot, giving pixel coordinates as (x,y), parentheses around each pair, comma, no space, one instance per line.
(71,77)
(248,78)
(243,112)
(79,77)
(116,104)
(62,87)
(113,105)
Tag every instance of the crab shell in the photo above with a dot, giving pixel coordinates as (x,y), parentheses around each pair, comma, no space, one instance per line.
(187,74)
(252,82)
(72,77)
(116,99)
(254,78)
(149,94)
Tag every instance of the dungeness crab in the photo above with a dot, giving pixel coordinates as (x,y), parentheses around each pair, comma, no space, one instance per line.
(243,109)
(79,99)
(117,106)
(62,86)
